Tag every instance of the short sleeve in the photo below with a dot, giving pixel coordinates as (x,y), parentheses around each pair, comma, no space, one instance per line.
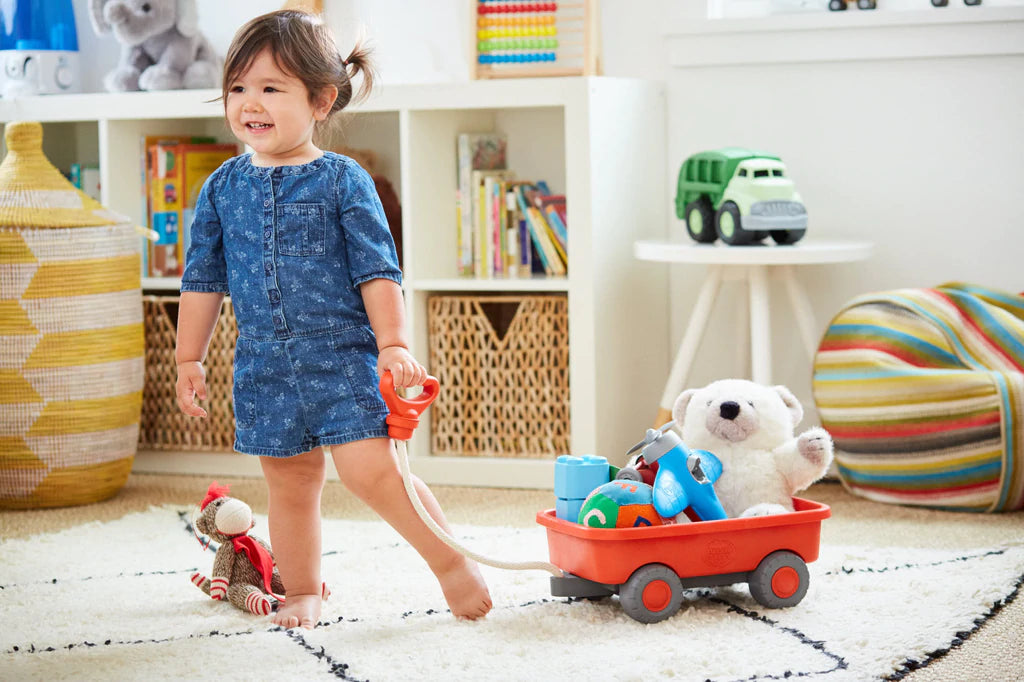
(205,265)
(368,243)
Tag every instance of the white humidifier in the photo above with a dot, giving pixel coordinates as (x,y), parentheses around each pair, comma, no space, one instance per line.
(38,48)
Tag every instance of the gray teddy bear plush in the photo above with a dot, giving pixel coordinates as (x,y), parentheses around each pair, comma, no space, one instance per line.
(161,46)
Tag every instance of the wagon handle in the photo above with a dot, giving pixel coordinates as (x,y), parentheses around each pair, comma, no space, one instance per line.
(404,413)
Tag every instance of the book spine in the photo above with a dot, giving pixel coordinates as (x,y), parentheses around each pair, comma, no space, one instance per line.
(465,168)
(525,246)
(511,233)
(558,228)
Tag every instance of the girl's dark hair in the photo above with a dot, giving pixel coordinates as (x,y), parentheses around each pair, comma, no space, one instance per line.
(302,45)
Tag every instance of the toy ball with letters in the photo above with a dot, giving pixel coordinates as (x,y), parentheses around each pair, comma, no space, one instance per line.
(620,504)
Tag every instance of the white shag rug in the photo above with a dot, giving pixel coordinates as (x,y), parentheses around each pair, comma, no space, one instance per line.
(113,601)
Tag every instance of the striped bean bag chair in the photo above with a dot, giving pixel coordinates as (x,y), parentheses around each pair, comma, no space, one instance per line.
(923,393)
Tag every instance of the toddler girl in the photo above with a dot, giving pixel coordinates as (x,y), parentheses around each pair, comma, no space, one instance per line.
(298,238)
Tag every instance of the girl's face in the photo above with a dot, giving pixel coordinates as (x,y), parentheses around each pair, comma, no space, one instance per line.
(270,110)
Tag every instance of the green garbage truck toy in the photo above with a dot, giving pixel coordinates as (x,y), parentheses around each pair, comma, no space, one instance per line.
(740,196)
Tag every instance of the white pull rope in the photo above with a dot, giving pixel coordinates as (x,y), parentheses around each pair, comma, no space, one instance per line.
(414,497)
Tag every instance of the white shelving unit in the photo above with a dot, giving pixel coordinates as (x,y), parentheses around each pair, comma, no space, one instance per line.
(601,141)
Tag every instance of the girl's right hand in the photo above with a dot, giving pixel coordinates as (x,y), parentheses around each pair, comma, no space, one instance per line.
(191,385)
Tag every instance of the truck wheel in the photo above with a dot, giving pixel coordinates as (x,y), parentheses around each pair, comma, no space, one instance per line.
(727,220)
(788,236)
(700,220)
(940,3)
(780,580)
(866,4)
(837,5)
(652,594)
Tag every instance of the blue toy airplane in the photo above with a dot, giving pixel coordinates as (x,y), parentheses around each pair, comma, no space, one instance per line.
(685,477)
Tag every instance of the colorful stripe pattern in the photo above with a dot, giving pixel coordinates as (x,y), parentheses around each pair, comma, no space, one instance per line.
(923,393)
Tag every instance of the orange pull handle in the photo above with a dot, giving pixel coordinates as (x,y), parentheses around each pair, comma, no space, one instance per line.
(404,413)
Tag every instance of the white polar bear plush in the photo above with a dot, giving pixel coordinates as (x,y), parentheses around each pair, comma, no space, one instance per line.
(750,428)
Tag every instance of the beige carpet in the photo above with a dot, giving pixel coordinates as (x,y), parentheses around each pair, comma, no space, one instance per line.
(994,652)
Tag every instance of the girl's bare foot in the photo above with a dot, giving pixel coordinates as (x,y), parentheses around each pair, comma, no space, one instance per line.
(465,590)
(299,610)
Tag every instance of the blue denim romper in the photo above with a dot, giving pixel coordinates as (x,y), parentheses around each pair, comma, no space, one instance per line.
(291,245)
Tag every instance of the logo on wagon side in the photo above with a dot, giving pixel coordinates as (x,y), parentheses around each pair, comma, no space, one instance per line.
(718,553)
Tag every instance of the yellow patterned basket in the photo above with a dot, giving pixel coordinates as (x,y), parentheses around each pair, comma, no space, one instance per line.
(71,335)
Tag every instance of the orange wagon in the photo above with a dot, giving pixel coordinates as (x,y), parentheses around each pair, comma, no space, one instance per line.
(649,567)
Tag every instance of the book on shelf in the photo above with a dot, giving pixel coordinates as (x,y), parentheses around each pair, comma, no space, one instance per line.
(488,186)
(474,152)
(175,174)
(156,256)
(540,233)
(548,205)
(86,177)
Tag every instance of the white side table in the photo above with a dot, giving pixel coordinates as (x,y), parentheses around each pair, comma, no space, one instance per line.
(754,265)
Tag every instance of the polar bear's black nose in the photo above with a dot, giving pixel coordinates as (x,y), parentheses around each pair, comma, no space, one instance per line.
(729,409)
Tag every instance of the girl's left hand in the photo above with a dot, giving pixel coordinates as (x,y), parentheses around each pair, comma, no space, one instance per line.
(404,368)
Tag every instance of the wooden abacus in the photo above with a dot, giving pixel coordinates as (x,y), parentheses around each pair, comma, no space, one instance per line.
(516,39)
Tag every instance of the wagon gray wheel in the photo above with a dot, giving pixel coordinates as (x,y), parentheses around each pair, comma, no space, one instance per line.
(652,594)
(780,580)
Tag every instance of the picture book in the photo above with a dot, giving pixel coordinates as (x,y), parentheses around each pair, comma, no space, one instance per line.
(547,205)
(488,188)
(160,259)
(540,233)
(474,152)
(176,173)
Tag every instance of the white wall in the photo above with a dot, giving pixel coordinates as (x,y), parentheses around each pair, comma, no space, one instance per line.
(921,153)
(415,42)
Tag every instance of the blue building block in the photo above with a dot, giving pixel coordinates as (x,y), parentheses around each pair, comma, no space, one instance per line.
(568,509)
(578,476)
(575,478)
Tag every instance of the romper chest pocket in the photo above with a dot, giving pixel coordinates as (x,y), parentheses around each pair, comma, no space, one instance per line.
(301,229)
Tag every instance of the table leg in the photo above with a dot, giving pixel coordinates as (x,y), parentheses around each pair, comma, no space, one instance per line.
(691,340)
(743,331)
(760,326)
(802,309)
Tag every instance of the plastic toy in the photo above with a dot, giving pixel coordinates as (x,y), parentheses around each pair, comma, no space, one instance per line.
(650,567)
(620,504)
(739,196)
(840,5)
(575,479)
(943,3)
(684,478)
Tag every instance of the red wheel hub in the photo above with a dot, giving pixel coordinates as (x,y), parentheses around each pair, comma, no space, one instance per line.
(785,582)
(657,595)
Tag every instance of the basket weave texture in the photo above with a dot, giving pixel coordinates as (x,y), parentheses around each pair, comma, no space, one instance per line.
(164,426)
(71,337)
(503,395)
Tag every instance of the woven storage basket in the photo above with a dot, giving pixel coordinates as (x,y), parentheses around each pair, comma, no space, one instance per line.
(503,395)
(164,426)
(71,338)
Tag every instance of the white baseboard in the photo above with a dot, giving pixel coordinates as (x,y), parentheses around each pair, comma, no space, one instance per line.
(483,472)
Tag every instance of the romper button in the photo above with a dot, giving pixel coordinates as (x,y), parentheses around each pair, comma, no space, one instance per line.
(267,234)
(269,270)
(266,202)
(274,296)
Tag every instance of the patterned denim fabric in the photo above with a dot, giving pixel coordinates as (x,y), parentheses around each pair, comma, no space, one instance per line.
(291,245)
